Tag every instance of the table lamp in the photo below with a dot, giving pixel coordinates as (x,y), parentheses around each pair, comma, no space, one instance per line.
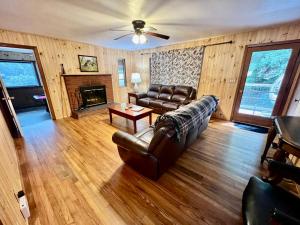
(136,79)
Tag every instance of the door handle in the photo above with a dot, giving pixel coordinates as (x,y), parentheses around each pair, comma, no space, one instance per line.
(297,99)
(8,98)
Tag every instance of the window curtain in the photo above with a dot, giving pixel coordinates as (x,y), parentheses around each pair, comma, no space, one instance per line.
(177,67)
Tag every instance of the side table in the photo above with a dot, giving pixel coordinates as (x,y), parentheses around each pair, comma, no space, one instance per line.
(132,94)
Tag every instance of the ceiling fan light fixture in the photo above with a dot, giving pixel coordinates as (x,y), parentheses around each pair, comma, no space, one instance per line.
(140,32)
(139,39)
(135,39)
(143,39)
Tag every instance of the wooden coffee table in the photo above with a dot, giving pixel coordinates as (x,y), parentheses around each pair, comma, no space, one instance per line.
(129,114)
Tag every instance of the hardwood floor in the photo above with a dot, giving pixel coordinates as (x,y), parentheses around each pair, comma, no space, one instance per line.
(73,175)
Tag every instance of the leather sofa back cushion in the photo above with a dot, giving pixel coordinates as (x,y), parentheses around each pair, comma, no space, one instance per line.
(181,93)
(154,87)
(154,90)
(166,92)
(152,94)
(183,90)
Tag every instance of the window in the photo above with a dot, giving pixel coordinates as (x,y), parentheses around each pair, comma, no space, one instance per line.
(122,72)
(19,74)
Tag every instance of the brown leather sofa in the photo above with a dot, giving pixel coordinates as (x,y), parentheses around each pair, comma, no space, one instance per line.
(164,98)
(152,151)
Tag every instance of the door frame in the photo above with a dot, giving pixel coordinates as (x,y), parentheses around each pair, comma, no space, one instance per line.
(41,72)
(287,81)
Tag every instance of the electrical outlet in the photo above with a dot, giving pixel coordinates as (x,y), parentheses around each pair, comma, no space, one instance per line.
(23,203)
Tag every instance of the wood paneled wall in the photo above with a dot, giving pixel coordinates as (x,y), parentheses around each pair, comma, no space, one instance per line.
(222,63)
(220,72)
(10,178)
(54,52)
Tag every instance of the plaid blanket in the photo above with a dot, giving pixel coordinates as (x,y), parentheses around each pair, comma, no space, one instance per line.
(188,116)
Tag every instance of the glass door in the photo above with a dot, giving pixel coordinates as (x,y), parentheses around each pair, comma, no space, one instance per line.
(266,78)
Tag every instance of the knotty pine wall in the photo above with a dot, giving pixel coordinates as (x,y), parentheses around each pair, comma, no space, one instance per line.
(220,71)
(222,63)
(53,52)
(10,178)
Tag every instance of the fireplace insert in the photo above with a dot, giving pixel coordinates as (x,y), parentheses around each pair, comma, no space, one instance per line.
(93,95)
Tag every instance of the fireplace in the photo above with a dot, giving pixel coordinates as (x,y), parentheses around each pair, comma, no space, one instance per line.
(92,95)
(77,86)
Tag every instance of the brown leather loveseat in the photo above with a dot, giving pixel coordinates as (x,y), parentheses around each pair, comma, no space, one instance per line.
(152,151)
(164,98)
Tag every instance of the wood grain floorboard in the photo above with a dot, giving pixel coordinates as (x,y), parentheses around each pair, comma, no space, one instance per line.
(73,175)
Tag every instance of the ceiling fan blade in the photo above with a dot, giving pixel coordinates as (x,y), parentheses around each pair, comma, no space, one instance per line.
(172,24)
(147,29)
(123,36)
(120,30)
(158,35)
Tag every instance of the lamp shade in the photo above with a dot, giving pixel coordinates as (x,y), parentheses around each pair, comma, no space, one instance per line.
(136,78)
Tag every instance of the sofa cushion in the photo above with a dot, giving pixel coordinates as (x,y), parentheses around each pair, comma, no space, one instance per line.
(170,106)
(154,90)
(156,103)
(165,97)
(183,90)
(155,87)
(144,101)
(152,94)
(179,98)
(166,92)
(181,93)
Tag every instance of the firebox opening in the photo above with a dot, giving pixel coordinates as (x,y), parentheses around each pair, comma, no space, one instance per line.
(93,95)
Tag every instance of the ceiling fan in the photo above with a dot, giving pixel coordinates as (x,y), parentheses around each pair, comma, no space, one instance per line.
(140,32)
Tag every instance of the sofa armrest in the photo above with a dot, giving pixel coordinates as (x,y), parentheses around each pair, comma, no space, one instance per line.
(193,94)
(187,101)
(284,170)
(130,142)
(141,95)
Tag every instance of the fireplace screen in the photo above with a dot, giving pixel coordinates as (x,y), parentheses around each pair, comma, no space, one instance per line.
(93,95)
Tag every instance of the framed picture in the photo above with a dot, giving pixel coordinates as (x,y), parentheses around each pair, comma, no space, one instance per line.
(88,63)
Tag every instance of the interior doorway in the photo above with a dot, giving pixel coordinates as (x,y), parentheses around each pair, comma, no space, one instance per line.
(267,76)
(23,86)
